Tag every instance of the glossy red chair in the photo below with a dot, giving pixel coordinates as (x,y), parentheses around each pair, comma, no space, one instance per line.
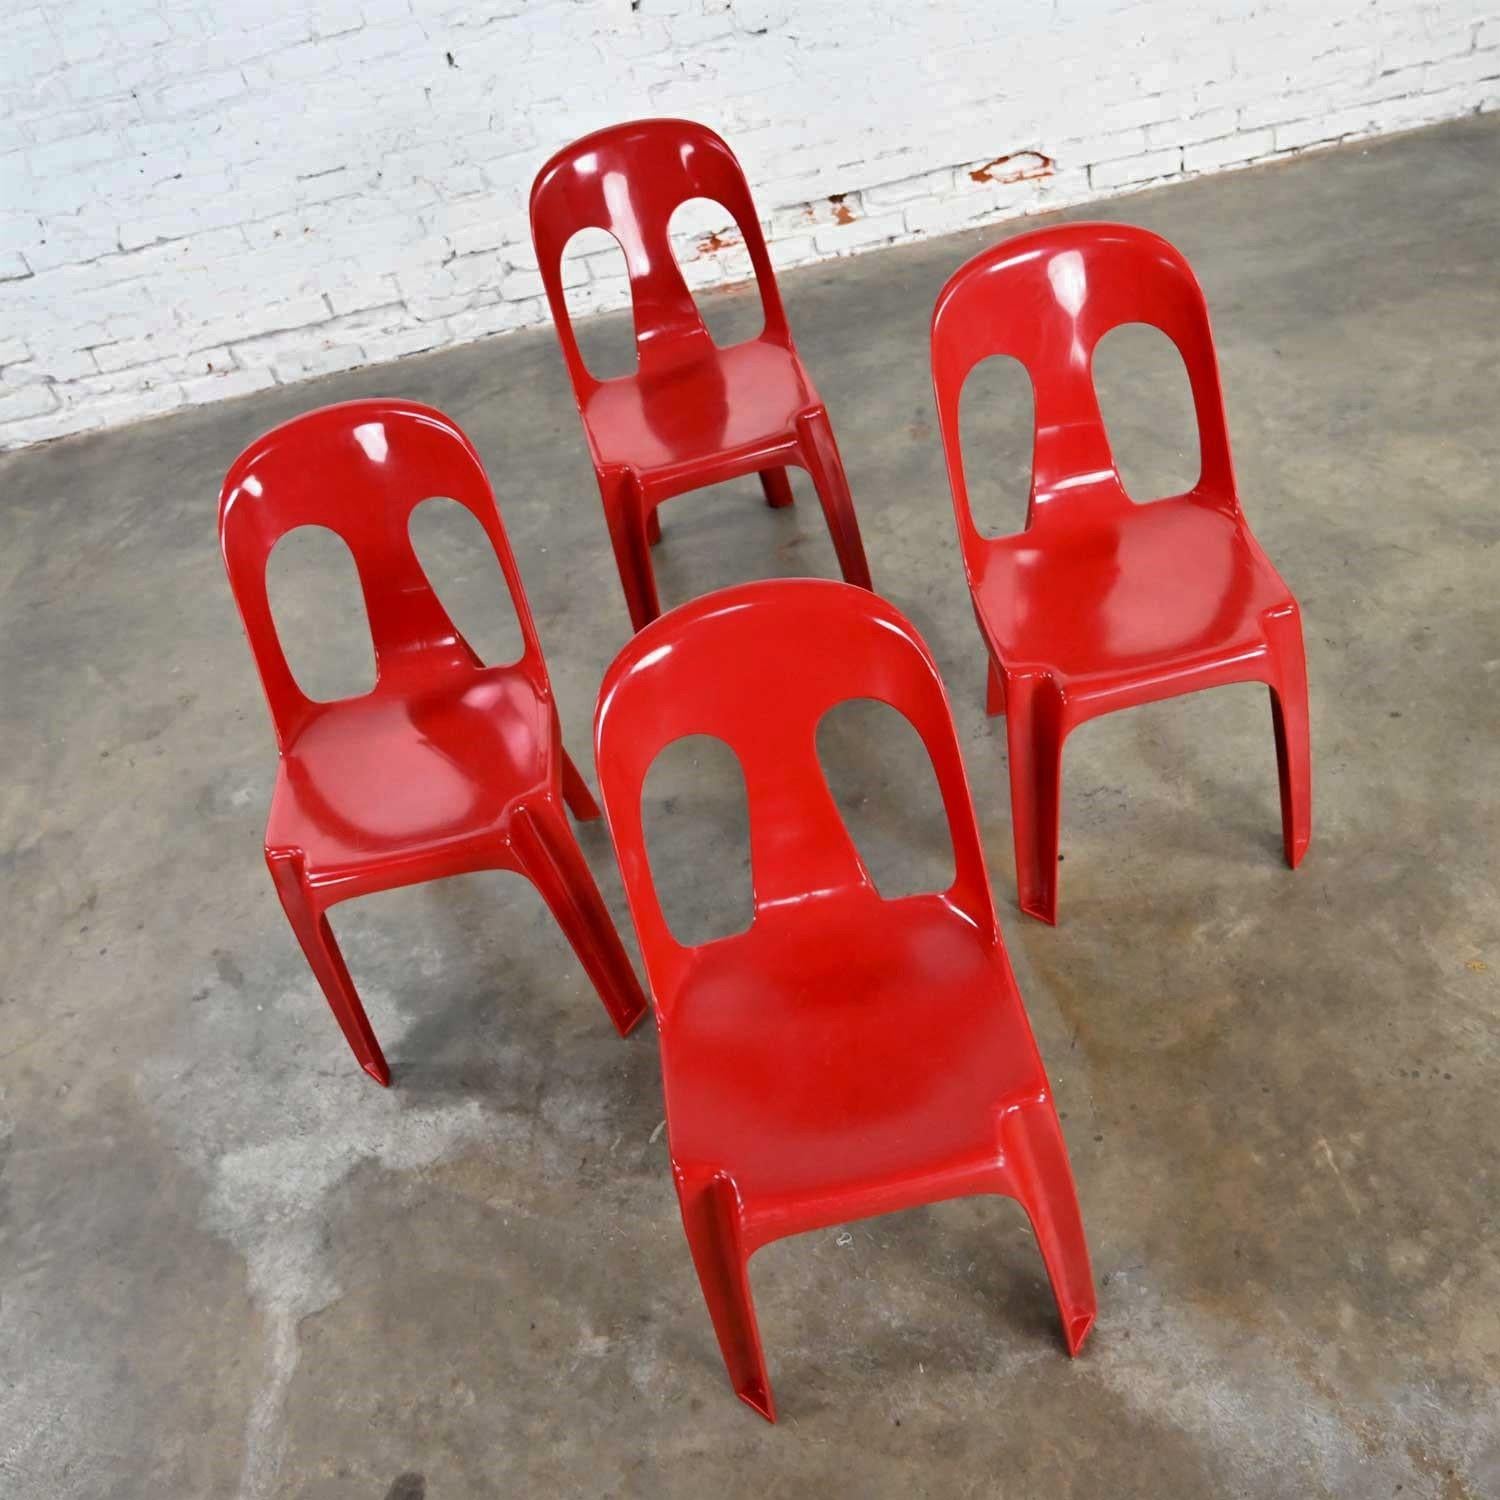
(845,1055)
(692,414)
(447,765)
(1102,603)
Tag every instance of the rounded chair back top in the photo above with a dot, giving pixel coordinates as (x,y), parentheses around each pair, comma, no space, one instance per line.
(628,180)
(360,469)
(1046,299)
(758,666)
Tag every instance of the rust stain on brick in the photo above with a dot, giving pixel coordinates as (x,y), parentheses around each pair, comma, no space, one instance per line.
(710,244)
(1028,164)
(842,213)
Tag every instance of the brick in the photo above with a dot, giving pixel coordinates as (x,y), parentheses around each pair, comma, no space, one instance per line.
(197,94)
(68,242)
(19,402)
(943,215)
(20,432)
(1209,125)
(1471,68)
(698,273)
(871,229)
(498,317)
(367,292)
(110,115)
(1147,167)
(73,152)
(65,364)
(909,189)
(1244,146)
(517,284)
(225,385)
(298,313)
(792,250)
(130,405)
(381,347)
(304,363)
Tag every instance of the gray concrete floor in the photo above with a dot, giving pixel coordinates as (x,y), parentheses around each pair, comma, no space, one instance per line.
(232,1265)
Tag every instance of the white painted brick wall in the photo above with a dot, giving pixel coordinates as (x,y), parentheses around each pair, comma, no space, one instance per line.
(199,198)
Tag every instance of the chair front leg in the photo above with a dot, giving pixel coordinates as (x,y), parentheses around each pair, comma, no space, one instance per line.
(1289,719)
(310,925)
(1042,1181)
(710,1218)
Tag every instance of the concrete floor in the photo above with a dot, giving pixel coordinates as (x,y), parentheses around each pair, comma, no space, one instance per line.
(232,1265)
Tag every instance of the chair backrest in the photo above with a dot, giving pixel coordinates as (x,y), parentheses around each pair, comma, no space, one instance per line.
(360,469)
(758,666)
(1046,299)
(628,180)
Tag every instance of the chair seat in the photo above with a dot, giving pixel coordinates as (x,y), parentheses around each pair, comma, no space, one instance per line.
(847,1044)
(731,404)
(1154,590)
(391,776)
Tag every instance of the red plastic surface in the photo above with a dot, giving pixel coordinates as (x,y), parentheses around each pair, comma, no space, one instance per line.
(447,765)
(692,414)
(846,1055)
(1102,603)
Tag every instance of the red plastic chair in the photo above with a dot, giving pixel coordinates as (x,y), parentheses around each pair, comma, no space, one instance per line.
(1100,603)
(447,765)
(692,414)
(846,1055)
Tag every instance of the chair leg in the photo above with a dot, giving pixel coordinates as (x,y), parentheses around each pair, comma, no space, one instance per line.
(327,964)
(550,858)
(653,527)
(994,694)
(1043,1181)
(627,531)
(711,1221)
(821,454)
(576,791)
(777,484)
(1034,737)
(1289,718)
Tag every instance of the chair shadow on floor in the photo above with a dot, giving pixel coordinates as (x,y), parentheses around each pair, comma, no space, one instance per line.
(957,1288)
(491,990)
(1191,778)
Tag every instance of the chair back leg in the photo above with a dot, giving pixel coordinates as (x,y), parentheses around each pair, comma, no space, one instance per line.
(777,485)
(821,455)
(1034,736)
(576,791)
(548,854)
